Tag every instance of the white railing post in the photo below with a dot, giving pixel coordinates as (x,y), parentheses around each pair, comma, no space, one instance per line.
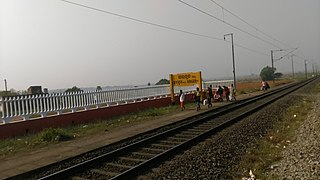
(4,110)
(23,105)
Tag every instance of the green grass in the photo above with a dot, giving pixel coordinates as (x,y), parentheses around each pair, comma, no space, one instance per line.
(269,148)
(45,137)
(54,134)
(57,135)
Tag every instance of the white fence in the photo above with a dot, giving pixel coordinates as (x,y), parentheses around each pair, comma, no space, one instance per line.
(27,106)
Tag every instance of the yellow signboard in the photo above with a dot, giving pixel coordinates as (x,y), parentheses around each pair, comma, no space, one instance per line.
(186,79)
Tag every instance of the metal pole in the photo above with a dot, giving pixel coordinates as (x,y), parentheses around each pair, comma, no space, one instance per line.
(305,68)
(5,86)
(234,69)
(233,62)
(272,59)
(313,69)
(292,67)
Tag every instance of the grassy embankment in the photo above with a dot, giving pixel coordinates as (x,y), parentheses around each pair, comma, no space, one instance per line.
(51,136)
(56,135)
(265,157)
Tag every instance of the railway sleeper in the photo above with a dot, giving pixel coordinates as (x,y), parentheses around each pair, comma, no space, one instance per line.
(195,131)
(207,124)
(119,165)
(191,134)
(139,156)
(162,146)
(79,178)
(169,142)
(187,137)
(126,162)
(143,154)
(203,127)
(178,140)
(153,149)
(133,159)
(93,175)
(104,173)
(184,137)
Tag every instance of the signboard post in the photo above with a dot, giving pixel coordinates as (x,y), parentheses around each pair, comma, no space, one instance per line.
(185,79)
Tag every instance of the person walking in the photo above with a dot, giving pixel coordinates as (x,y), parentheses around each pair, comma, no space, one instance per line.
(209,96)
(181,97)
(220,91)
(233,93)
(197,97)
(227,92)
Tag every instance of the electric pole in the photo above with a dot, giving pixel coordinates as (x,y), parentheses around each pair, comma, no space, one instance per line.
(233,63)
(5,86)
(292,67)
(305,68)
(272,59)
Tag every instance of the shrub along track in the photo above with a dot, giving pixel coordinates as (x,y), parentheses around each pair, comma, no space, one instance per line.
(224,149)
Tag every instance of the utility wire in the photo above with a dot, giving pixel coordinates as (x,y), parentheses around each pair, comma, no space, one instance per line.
(249,23)
(161,26)
(285,56)
(255,51)
(223,8)
(246,32)
(143,21)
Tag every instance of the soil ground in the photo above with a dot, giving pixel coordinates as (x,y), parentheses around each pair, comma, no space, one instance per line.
(21,162)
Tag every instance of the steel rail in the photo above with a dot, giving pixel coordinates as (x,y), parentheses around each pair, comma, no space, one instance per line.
(131,172)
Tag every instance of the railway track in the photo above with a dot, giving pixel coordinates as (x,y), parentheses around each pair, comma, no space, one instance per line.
(129,161)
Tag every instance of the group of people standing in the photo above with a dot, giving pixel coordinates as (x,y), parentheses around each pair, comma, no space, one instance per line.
(229,94)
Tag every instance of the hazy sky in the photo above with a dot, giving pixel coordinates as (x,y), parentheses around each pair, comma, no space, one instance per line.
(56,44)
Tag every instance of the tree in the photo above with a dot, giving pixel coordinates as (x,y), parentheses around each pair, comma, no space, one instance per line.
(8,93)
(277,75)
(73,89)
(163,81)
(267,73)
(99,88)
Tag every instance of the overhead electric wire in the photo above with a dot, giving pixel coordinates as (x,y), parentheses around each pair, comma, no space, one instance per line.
(143,21)
(254,27)
(246,32)
(208,14)
(249,24)
(159,25)
(261,53)
(284,56)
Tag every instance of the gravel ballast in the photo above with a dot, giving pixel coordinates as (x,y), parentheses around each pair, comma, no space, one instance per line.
(301,160)
(216,157)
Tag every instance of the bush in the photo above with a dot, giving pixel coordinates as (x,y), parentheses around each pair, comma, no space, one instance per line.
(51,134)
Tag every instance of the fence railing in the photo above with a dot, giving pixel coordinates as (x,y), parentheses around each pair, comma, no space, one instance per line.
(215,84)
(28,106)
